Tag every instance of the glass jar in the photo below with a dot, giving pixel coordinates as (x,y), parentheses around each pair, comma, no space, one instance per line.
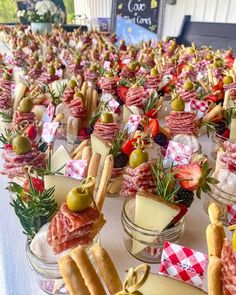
(216,144)
(48,274)
(222,199)
(150,241)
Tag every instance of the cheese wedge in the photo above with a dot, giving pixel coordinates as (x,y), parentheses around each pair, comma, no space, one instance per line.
(101,147)
(62,184)
(39,111)
(136,110)
(126,114)
(233,129)
(59,159)
(162,285)
(18,94)
(151,213)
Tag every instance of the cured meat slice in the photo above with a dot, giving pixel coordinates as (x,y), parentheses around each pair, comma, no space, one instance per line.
(151,82)
(135,96)
(108,85)
(68,95)
(181,122)
(69,229)
(5,94)
(107,131)
(18,117)
(76,107)
(47,78)
(228,272)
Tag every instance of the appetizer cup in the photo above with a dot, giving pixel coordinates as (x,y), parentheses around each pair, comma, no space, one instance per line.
(48,274)
(217,143)
(222,199)
(150,241)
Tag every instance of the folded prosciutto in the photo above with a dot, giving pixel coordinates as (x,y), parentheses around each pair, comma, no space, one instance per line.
(19,117)
(15,163)
(69,229)
(5,94)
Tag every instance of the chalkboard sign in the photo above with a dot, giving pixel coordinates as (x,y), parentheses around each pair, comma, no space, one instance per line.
(137,20)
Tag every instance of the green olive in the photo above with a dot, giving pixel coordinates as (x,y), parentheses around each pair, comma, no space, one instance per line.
(6,76)
(188,85)
(51,70)
(21,145)
(154,72)
(26,105)
(228,80)
(72,84)
(107,118)
(78,199)
(137,158)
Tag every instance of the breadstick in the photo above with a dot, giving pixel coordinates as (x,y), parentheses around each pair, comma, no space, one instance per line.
(106,175)
(72,276)
(94,102)
(209,116)
(73,126)
(214,213)
(80,147)
(87,153)
(59,117)
(214,240)
(107,269)
(94,164)
(214,273)
(115,186)
(89,96)
(84,88)
(90,276)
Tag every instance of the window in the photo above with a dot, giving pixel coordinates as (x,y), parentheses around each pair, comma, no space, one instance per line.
(8,11)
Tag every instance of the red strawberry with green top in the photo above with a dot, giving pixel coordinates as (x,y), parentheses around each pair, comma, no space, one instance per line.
(121,92)
(152,127)
(31,132)
(37,183)
(128,146)
(195,177)
(152,114)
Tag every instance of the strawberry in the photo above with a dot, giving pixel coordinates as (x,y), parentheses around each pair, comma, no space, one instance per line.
(121,92)
(152,114)
(152,127)
(128,146)
(195,177)
(218,86)
(37,183)
(8,146)
(31,132)
(229,60)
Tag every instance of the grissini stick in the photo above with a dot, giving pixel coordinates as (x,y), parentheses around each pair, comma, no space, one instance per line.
(209,116)
(93,165)
(94,102)
(107,269)
(90,276)
(214,240)
(214,213)
(214,274)
(106,175)
(84,88)
(87,153)
(80,147)
(59,117)
(72,276)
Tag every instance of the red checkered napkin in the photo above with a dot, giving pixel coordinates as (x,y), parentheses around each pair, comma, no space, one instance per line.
(49,131)
(231,214)
(198,106)
(49,113)
(76,169)
(133,122)
(183,263)
(177,154)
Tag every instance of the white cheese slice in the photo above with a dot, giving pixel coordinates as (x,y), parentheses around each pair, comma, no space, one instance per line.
(62,184)
(39,111)
(99,146)
(233,129)
(126,114)
(151,213)
(163,285)
(135,110)
(59,159)
(63,109)
(18,94)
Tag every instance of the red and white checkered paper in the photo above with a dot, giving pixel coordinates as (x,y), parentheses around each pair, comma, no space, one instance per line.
(133,123)
(183,263)
(231,214)
(49,113)
(113,105)
(107,65)
(177,154)
(76,169)
(198,106)
(49,131)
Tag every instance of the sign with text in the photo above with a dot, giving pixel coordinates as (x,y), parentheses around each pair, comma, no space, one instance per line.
(136,20)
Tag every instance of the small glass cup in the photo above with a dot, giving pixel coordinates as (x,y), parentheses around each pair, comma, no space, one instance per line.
(151,242)
(48,274)
(217,143)
(222,199)
(115,182)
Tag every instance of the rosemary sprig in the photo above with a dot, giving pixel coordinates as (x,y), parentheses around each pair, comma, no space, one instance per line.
(166,184)
(152,101)
(34,213)
(57,94)
(209,128)
(118,142)
(7,136)
(6,116)
(228,115)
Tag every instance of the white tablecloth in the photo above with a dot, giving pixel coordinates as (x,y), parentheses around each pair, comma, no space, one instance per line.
(16,277)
